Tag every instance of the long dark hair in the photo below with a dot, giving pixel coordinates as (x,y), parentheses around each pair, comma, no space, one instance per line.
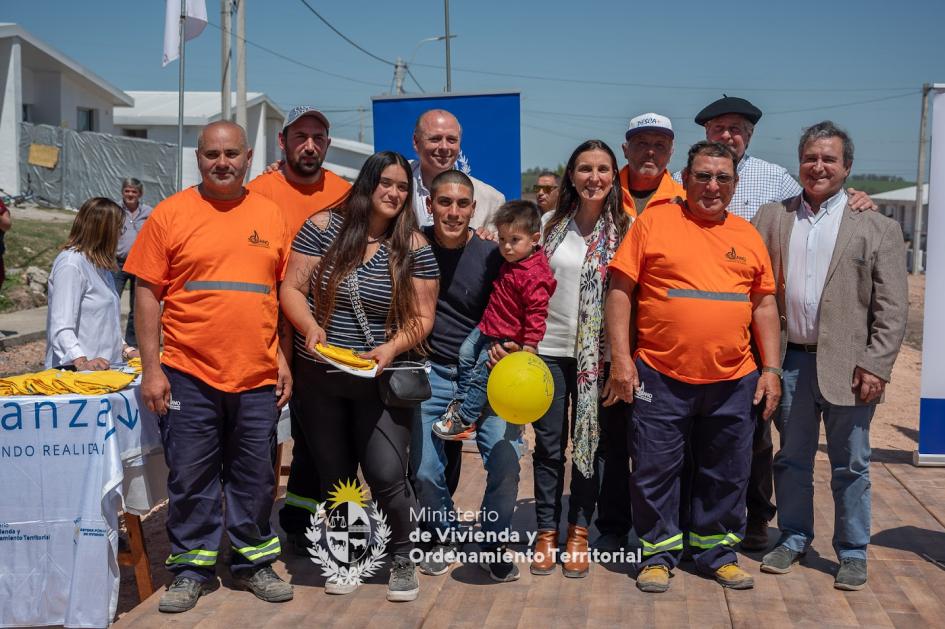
(347,251)
(568,198)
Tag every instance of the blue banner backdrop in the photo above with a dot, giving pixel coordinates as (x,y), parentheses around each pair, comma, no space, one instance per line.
(491,143)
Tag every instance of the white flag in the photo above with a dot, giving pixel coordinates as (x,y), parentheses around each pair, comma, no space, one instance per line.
(194,24)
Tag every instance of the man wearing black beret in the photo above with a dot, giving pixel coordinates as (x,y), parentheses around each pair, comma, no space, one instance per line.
(731,120)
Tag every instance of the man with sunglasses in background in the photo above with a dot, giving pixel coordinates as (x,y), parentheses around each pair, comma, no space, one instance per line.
(731,121)
(704,290)
(546,191)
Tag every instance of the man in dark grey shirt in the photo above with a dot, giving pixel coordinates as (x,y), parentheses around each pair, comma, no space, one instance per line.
(468,266)
(135,213)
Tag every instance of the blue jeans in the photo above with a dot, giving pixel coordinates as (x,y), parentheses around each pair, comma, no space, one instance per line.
(473,375)
(500,444)
(848,448)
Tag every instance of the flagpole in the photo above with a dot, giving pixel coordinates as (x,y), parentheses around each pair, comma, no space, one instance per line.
(180,101)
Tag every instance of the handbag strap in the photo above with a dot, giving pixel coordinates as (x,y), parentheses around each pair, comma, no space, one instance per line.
(354,295)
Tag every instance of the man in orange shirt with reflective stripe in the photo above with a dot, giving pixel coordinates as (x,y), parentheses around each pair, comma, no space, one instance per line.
(301,186)
(214,255)
(705,285)
(645,181)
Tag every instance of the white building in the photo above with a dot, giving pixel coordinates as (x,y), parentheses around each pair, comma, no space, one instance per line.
(39,84)
(154,117)
(900,206)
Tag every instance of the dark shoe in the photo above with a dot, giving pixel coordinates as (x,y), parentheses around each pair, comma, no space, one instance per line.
(297,544)
(503,570)
(780,560)
(610,542)
(544,555)
(756,535)
(264,583)
(403,585)
(653,579)
(578,559)
(852,575)
(733,577)
(181,595)
(451,426)
(437,560)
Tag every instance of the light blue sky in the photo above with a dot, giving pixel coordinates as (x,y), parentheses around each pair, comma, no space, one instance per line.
(800,61)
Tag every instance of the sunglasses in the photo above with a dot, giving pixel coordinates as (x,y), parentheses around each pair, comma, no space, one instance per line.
(546,189)
(722,179)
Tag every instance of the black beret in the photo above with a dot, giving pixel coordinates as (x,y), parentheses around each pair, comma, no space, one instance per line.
(728,105)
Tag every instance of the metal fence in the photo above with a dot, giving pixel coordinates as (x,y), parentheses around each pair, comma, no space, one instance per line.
(93,165)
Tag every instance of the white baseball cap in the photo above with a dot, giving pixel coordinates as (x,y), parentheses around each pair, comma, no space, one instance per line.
(650,122)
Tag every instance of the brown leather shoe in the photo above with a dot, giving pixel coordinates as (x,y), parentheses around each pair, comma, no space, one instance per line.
(578,557)
(545,552)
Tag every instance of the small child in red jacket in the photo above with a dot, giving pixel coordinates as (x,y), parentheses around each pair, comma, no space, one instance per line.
(517,309)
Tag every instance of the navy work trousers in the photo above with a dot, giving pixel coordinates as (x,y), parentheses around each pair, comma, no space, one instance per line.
(217,445)
(715,421)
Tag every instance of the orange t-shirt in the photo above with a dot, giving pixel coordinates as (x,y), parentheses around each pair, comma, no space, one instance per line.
(301,201)
(218,263)
(695,283)
(667,192)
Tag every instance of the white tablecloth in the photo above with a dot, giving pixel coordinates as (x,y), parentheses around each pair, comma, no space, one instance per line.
(69,464)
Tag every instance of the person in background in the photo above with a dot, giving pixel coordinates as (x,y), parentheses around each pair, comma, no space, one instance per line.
(546,191)
(436,139)
(83,319)
(134,214)
(648,149)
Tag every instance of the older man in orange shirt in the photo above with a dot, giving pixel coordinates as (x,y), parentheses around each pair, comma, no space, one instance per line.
(704,285)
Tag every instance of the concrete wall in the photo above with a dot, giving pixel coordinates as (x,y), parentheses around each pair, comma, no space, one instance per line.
(11,111)
(42,91)
(73,97)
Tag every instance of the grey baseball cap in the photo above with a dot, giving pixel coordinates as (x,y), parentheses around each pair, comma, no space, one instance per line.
(300,111)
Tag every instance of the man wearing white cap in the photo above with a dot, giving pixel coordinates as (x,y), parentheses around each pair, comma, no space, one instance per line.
(301,187)
(648,149)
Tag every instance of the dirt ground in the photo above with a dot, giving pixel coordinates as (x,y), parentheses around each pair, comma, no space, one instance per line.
(894,431)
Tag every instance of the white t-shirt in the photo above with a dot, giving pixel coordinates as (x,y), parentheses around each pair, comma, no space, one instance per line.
(562,323)
(84,314)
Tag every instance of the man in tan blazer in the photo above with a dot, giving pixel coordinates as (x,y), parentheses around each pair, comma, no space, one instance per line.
(843,301)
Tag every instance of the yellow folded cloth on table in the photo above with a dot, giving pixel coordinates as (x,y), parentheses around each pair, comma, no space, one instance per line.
(135,363)
(56,382)
(99,382)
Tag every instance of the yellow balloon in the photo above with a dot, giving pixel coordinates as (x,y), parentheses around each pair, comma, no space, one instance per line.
(520,388)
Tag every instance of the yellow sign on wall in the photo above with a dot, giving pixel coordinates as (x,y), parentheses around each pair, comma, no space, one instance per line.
(44,155)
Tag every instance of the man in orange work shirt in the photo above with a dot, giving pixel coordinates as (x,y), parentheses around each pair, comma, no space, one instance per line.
(214,254)
(301,186)
(645,181)
(704,285)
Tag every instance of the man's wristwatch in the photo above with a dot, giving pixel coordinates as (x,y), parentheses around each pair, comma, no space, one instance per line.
(775,370)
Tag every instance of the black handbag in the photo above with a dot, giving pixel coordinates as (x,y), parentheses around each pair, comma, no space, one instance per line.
(404,384)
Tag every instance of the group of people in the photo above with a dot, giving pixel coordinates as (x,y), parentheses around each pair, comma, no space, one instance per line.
(674,330)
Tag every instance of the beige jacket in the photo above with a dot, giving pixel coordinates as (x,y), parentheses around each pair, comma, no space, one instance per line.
(865,301)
